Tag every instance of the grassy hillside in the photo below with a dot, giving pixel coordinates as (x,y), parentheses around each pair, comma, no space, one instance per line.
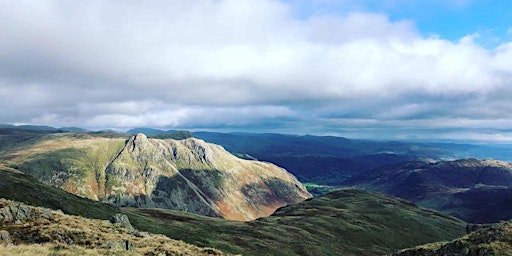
(346,222)
(12,138)
(24,188)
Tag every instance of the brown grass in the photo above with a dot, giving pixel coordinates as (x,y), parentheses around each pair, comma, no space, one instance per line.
(72,235)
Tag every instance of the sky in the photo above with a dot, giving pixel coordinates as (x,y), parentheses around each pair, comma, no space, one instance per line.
(377,69)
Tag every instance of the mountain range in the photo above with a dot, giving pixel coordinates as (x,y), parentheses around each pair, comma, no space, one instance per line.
(478,191)
(240,201)
(329,160)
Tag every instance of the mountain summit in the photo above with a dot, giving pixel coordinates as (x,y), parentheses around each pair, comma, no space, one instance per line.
(189,175)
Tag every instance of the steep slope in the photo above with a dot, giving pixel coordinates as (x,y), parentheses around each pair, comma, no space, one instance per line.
(474,190)
(347,222)
(28,230)
(17,186)
(495,239)
(189,175)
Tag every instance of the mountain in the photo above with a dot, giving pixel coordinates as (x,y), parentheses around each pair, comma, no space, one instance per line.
(329,160)
(189,175)
(345,222)
(148,131)
(478,191)
(495,239)
(28,230)
(73,129)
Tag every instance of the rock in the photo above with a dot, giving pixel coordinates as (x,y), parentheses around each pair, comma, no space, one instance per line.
(142,234)
(474,227)
(62,237)
(122,220)
(5,238)
(47,214)
(16,212)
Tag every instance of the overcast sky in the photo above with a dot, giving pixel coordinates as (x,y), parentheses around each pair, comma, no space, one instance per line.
(387,69)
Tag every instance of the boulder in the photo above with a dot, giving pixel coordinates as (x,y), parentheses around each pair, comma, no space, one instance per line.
(122,220)
(5,238)
(16,212)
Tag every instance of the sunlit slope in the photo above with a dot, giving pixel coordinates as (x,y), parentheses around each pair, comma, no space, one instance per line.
(189,175)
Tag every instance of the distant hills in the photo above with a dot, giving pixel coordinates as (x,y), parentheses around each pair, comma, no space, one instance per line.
(347,222)
(43,128)
(474,190)
(325,162)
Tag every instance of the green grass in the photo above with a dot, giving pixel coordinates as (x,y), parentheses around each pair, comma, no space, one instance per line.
(13,138)
(320,189)
(345,222)
(26,189)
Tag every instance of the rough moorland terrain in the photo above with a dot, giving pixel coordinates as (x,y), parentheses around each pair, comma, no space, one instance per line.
(490,239)
(28,230)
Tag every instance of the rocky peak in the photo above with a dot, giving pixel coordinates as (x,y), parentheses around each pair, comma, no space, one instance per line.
(196,176)
(138,142)
(188,175)
(202,150)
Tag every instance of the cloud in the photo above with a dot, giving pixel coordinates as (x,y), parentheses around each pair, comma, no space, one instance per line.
(233,63)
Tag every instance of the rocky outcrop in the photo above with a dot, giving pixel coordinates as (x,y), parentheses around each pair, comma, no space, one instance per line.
(15,212)
(19,212)
(122,220)
(195,176)
(35,234)
(495,239)
(474,227)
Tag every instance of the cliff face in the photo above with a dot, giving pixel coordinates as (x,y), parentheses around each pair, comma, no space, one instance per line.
(188,175)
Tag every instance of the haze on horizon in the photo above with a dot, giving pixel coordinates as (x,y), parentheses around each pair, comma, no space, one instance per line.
(393,69)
